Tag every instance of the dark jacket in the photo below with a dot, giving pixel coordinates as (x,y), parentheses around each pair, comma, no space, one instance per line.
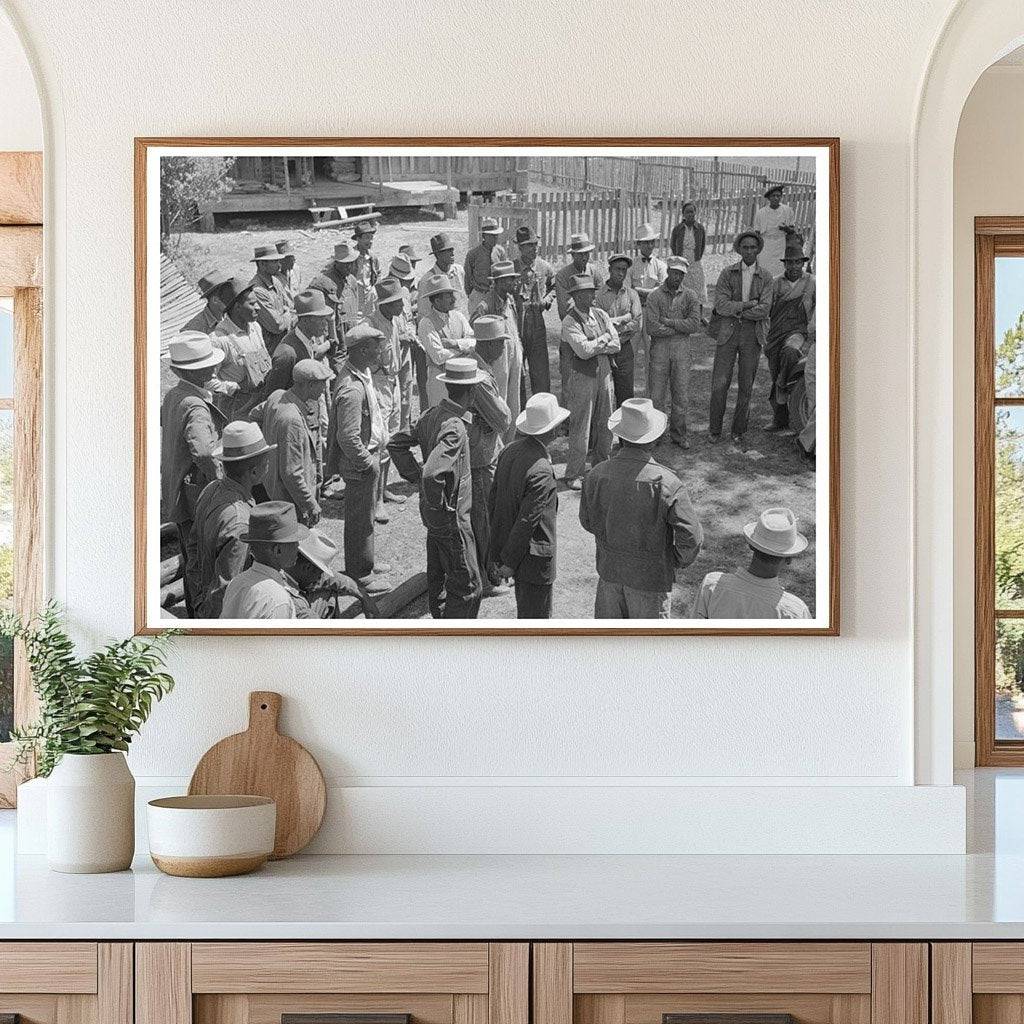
(289,350)
(729,303)
(700,235)
(353,427)
(523,506)
(642,519)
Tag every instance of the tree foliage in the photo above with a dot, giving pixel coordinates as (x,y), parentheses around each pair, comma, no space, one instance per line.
(186,183)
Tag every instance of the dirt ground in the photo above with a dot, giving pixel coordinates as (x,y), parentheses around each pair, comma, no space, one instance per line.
(727,486)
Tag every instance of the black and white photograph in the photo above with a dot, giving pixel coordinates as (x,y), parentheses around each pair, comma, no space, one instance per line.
(522,388)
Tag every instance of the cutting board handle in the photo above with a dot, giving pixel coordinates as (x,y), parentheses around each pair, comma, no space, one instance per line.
(264,710)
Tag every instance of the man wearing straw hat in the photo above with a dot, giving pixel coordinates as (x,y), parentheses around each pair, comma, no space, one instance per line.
(755,592)
(263,591)
(338,271)
(480,260)
(499,301)
(641,518)
(533,297)
(277,315)
(222,514)
(190,428)
(319,586)
(646,273)
(367,266)
(443,333)
(210,286)
(443,250)
(523,508)
(287,276)
(581,249)
(622,304)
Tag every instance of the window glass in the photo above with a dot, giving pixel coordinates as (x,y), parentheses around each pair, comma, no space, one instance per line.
(1009,327)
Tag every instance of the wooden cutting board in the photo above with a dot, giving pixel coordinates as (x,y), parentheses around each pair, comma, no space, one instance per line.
(262,762)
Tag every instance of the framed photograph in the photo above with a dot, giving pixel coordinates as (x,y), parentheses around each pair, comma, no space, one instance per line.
(487,386)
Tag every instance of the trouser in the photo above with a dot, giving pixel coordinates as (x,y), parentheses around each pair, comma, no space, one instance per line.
(589,400)
(743,347)
(642,356)
(453,575)
(190,568)
(405,387)
(533,600)
(624,373)
(808,434)
(617,601)
(419,362)
(483,478)
(535,354)
(670,365)
(360,502)
(782,360)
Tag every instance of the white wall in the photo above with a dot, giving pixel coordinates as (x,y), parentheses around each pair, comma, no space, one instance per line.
(21,123)
(445,714)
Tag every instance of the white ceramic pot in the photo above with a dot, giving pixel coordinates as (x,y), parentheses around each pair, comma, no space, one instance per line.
(90,814)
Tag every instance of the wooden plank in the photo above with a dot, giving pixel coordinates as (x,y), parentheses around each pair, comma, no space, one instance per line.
(468,1008)
(76,1009)
(998,967)
(115,965)
(163,983)
(899,983)
(722,967)
(240,1008)
(29,1009)
(339,967)
(997,1009)
(21,188)
(599,1009)
(552,983)
(851,1009)
(508,989)
(951,983)
(228,1009)
(21,258)
(806,1008)
(65,967)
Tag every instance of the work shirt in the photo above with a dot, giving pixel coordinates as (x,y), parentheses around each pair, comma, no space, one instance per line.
(358,423)
(260,592)
(792,307)
(581,333)
(621,305)
(246,359)
(673,315)
(531,295)
(204,321)
(491,420)
(508,371)
(277,314)
(456,275)
(729,313)
(478,264)
(222,516)
(741,595)
(442,336)
(563,279)
(190,428)
(646,274)
(642,519)
(358,300)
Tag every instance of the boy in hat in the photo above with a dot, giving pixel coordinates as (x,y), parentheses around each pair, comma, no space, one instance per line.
(755,592)
(523,509)
(277,315)
(533,297)
(287,276)
(771,220)
(190,427)
(622,304)
(444,332)
(246,359)
(480,260)
(641,518)
(210,285)
(740,329)
(263,591)
(222,514)
(499,301)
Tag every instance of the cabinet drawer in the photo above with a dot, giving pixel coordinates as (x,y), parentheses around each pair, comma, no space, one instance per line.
(48,967)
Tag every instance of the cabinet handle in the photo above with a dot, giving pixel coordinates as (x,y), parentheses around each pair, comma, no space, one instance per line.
(337,1018)
(728,1018)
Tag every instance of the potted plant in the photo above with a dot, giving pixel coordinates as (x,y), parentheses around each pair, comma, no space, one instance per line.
(89,709)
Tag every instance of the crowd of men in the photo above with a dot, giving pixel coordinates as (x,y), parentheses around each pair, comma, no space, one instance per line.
(286,395)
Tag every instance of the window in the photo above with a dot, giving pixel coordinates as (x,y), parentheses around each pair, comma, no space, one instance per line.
(6,510)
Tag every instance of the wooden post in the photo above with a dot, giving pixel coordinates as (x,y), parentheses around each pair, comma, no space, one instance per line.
(620,218)
(449,206)
(287,177)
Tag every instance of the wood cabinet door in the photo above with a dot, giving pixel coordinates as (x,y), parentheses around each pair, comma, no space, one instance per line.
(306,982)
(730,983)
(977,983)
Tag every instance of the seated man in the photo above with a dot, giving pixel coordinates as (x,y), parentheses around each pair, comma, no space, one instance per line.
(263,591)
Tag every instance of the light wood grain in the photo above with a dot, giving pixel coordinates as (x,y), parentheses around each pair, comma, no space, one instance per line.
(21,258)
(339,967)
(76,1009)
(998,967)
(115,995)
(599,1009)
(997,1009)
(722,967)
(951,983)
(552,983)
(851,1009)
(899,989)
(468,1008)
(806,1008)
(228,1009)
(509,983)
(268,1008)
(48,967)
(163,983)
(21,188)
(34,1009)
(262,762)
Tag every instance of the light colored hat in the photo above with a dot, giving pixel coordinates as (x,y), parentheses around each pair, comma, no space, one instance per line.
(213,280)
(319,551)
(677,263)
(489,226)
(503,268)
(362,334)
(540,414)
(775,533)
(409,252)
(389,289)
(365,227)
(435,285)
(274,522)
(581,243)
(237,288)
(401,267)
(461,370)
(582,282)
(344,253)
(193,350)
(265,252)
(646,233)
(242,440)
(306,370)
(490,328)
(620,256)
(441,242)
(638,421)
(311,302)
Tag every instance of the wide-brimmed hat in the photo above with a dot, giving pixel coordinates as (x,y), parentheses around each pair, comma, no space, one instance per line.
(775,533)
(306,370)
(441,242)
(212,281)
(617,256)
(677,263)
(794,248)
(461,370)
(503,268)
(319,551)
(436,284)
(364,227)
(242,440)
(489,226)
(389,289)
(236,288)
(581,243)
(311,303)
(525,235)
(274,522)
(749,233)
(773,186)
(193,350)
(646,233)
(344,253)
(285,247)
(582,282)
(409,252)
(322,283)
(362,334)
(541,414)
(401,267)
(638,421)
(490,328)
(265,252)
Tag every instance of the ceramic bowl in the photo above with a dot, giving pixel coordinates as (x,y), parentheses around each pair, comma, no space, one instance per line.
(211,836)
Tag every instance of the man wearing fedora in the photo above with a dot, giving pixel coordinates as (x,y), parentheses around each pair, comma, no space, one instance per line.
(210,285)
(580,251)
(222,514)
(361,435)
(190,428)
(490,425)
(646,273)
(755,592)
(772,221)
(672,317)
(533,297)
(292,420)
(277,315)
(591,341)
(443,332)
(740,328)
(523,509)
(246,359)
(499,301)
(443,250)
(367,265)
(641,518)
(263,591)
(622,304)
(481,258)
(318,586)
(338,271)
(287,276)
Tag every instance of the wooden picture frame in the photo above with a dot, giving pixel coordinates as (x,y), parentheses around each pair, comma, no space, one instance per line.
(827,623)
